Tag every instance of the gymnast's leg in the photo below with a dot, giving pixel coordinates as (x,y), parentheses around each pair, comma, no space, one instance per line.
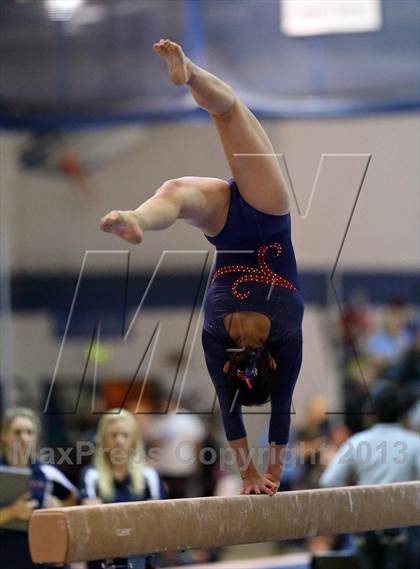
(203,202)
(246,145)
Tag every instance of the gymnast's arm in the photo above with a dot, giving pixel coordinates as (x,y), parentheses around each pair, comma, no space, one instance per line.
(287,355)
(215,355)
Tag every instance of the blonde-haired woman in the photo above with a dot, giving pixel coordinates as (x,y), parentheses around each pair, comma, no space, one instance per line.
(119,472)
(20,432)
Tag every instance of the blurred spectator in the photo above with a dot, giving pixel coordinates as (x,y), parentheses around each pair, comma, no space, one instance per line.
(409,368)
(229,484)
(145,405)
(358,375)
(209,466)
(355,324)
(412,419)
(178,435)
(313,434)
(315,426)
(389,352)
(390,342)
(295,466)
(383,454)
(119,472)
(48,486)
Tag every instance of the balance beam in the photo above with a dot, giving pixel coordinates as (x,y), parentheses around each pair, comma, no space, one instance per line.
(86,533)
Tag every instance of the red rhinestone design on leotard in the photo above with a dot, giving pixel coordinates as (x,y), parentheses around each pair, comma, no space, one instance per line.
(263,274)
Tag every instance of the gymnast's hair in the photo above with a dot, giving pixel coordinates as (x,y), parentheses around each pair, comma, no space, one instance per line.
(102,459)
(260,390)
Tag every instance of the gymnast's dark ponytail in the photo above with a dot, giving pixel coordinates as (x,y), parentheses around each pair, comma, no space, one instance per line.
(249,377)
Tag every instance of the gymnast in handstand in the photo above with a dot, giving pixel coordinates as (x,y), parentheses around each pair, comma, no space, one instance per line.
(252,333)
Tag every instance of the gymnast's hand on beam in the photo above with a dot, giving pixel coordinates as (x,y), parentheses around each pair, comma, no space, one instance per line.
(273,479)
(258,485)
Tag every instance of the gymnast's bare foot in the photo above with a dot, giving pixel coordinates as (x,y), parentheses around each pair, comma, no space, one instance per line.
(176,60)
(124,224)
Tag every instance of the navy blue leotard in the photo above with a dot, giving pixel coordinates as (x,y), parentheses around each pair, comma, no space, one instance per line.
(255,271)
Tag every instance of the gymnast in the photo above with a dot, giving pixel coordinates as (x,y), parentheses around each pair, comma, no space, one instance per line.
(252,333)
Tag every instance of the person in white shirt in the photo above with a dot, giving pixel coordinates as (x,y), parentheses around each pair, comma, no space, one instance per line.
(177,435)
(385,453)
